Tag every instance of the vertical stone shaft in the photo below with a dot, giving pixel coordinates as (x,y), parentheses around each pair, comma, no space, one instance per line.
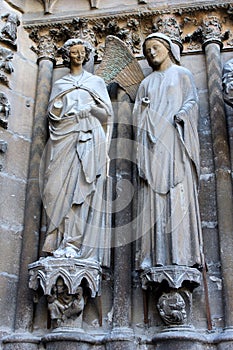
(30,242)
(122,252)
(122,287)
(222,172)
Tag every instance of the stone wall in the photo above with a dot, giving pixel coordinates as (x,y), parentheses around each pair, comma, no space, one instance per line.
(45,25)
(20,91)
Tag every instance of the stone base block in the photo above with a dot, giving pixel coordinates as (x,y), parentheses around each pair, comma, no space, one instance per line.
(71,340)
(225,340)
(121,338)
(179,340)
(22,341)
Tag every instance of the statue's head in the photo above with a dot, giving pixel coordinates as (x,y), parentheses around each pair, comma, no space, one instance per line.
(60,286)
(65,50)
(163,44)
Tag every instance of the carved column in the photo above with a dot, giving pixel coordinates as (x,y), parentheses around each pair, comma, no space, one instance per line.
(30,241)
(212,46)
(122,335)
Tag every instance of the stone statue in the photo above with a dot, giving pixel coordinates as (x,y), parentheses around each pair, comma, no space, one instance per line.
(5,109)
(79,113)
(227,80)
(62,305)
(171,307)
(166,116)
(9,31)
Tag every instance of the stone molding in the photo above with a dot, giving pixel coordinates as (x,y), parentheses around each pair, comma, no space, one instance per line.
(189,27)
(143,11)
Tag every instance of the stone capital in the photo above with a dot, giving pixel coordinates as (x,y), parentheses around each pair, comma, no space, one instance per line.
(45,46)
(169,25)
(212,31)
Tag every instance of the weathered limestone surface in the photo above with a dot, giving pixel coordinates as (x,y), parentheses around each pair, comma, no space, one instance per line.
(14,164)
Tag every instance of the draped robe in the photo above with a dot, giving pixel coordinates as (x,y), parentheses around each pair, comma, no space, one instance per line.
(167,157)
(75,178)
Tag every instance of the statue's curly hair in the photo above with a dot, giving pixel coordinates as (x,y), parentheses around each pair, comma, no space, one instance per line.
(65,50)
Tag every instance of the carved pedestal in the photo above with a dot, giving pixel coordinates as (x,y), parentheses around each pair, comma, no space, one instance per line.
(66,283)
(175,285)
(174,302)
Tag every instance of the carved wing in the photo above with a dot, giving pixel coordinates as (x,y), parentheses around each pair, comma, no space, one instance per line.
(120,66)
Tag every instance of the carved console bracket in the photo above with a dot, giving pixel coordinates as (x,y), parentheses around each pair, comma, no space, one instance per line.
(174,275)
(46,271)
(174,292)
(65,283)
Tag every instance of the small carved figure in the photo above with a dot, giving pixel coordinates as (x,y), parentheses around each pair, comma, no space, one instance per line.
(171,307)
(79,113)
(6,56)
(48,4)
(62,305)
(9,31)
(166,116)
(4,110)
(3,146)
(4,80)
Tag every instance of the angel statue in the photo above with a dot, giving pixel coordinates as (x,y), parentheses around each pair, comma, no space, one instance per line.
(79,114)
(166,116)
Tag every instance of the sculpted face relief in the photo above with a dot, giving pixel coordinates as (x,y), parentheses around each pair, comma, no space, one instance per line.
(77,54)
(157,54)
